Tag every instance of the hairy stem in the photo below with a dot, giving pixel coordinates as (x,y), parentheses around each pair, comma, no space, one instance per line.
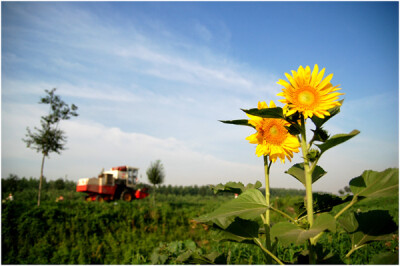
(307,173)
(283,214)
(312,254)
(267,192)
(267,222)
(352,250)
(257,241)
(352,202)
(309,197)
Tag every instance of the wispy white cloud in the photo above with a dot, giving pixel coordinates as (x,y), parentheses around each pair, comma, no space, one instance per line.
(102,92)
(203,32)
(147,54)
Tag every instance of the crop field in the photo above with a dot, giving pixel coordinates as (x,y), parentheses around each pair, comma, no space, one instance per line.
(77,232)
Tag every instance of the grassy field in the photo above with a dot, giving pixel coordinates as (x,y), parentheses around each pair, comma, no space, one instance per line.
(78,232)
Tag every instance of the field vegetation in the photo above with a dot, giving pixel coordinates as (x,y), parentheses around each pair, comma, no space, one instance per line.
(73,231)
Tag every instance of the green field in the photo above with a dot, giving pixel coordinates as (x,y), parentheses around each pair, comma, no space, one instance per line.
(78,232)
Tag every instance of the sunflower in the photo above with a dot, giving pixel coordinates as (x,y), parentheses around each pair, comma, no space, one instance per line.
(272,137)
(308,93)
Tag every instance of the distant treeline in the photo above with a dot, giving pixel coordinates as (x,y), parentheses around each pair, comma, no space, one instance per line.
(13,184)
(206,190)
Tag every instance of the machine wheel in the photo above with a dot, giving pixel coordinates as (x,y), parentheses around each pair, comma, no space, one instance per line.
(127,195)
(99,198)
(88,198)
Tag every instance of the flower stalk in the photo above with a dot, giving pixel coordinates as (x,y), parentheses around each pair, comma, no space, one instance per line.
(307,173)
(257,241)
(283,214)
(308,181)
(352,202)
(267,166)
(267,221)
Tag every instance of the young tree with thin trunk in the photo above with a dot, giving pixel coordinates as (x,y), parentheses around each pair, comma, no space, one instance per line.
(49,138)
(155,174)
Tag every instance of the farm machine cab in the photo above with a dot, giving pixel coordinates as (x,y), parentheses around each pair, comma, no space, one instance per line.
(117,183)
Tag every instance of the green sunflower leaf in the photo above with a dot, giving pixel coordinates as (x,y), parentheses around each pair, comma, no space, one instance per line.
(239,231)
(297,171)
(234,187)
(322,202)
(293,130)
(336,140)
(369,226)
(194,257)
(376,184)
(240,122)
(248,205)
(320,134)
(288,233)
(318,122)
(275,112)
(386,258)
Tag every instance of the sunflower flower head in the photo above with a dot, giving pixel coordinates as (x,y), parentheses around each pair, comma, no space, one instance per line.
(309,94)
(272,138)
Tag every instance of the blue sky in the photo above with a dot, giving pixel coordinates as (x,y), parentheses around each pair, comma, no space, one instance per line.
(152,79)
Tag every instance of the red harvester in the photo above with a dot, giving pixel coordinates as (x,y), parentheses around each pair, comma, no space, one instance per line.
(118,183)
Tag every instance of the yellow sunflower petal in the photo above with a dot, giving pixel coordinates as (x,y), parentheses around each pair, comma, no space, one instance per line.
(262,105)
(284,83)
(307,74)
(319,77)
(290,112)
(292,81)
(310,93)
(272,138)
(325,81)
(253,138)
(314,76)
(272,104)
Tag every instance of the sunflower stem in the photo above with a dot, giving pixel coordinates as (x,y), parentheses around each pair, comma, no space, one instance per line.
(352,202)
(307,173)
(267,251)
(314,165)
(283,214)
(308,177)
(267,222)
